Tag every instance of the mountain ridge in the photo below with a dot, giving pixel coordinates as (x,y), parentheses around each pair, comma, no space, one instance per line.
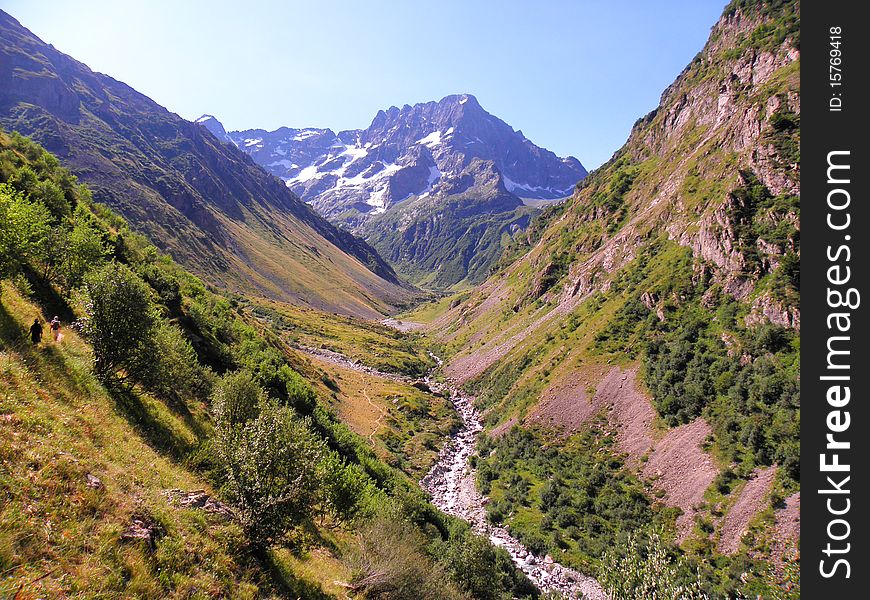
(205,202)
(657,313)
(422,155)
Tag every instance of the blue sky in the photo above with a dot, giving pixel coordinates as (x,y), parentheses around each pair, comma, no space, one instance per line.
(573,75)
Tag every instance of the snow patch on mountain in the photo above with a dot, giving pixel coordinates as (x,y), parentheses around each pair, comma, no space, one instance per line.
(433,139)
(410,151)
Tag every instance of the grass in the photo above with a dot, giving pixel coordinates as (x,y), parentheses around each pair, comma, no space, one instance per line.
(404,425)
(365,341)
(430,311)
(59,537)
(612,327)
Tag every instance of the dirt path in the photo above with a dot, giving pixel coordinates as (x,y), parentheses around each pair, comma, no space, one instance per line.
(474,364)
(378,421)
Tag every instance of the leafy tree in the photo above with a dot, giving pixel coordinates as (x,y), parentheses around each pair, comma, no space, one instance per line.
(391,563)
(171,369)
(342,486)
(119,318)
(236,399)
(269,457)
(24,226)
(481,569)
(81,249)
(646,569)
(164,283)
(52,196)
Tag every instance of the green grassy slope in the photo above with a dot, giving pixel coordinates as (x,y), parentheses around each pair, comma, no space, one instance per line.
(679,256)
(91,461)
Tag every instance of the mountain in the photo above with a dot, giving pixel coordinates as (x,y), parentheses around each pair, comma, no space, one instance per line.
(436,187)
(123,414)
(203,201)
(636,353)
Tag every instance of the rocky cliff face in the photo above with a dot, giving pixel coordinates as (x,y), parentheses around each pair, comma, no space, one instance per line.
(715,167)
(204,201)
(375,181)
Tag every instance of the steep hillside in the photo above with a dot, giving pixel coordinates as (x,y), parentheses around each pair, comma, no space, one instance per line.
(203,201)
(654,318)
(438,188)
(169,442)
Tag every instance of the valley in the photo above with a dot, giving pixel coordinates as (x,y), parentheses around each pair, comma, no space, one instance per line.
(423,360)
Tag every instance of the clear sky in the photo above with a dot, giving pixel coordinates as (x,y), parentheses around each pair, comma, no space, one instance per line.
(573,75)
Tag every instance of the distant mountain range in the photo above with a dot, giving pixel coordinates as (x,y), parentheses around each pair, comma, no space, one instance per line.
(437,187)
(204,201)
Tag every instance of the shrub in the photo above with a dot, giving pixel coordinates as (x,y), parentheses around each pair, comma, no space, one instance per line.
(269,457)
(646,569)
(342,487)
(390,563)
(119,318)
(24,227)
(481,569)
(171,369)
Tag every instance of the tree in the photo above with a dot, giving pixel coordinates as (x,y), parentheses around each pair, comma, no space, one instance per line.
(83,250)
(236,399)
(171,369)
(342,486)
(119,318)
(24,226)
(477,566)
(269,457)
(52,196)
(391,563)
(647,571)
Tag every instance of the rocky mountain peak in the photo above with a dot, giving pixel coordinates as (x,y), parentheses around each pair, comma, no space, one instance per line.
(427,152)
(443,136)
(213,125)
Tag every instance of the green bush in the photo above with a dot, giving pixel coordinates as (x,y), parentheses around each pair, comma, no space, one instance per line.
(119,319)
(24,229)
(479,568)
(269,457)
(343,487)
(390,562)
(646,568)
(171,369)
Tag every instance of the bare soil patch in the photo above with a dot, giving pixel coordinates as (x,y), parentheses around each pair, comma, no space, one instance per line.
(787,529)
(564,406)
(682,470)
(751,501)
(499,430)
(463,368)
(631,412)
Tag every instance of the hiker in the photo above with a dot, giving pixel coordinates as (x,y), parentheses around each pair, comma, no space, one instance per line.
(55,328)
(36,331)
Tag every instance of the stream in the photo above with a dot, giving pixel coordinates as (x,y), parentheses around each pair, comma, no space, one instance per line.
(451,484)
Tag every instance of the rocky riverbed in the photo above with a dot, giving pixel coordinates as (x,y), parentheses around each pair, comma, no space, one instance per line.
(451,483)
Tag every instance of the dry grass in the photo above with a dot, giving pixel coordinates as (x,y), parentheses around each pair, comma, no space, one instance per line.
(405,425)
